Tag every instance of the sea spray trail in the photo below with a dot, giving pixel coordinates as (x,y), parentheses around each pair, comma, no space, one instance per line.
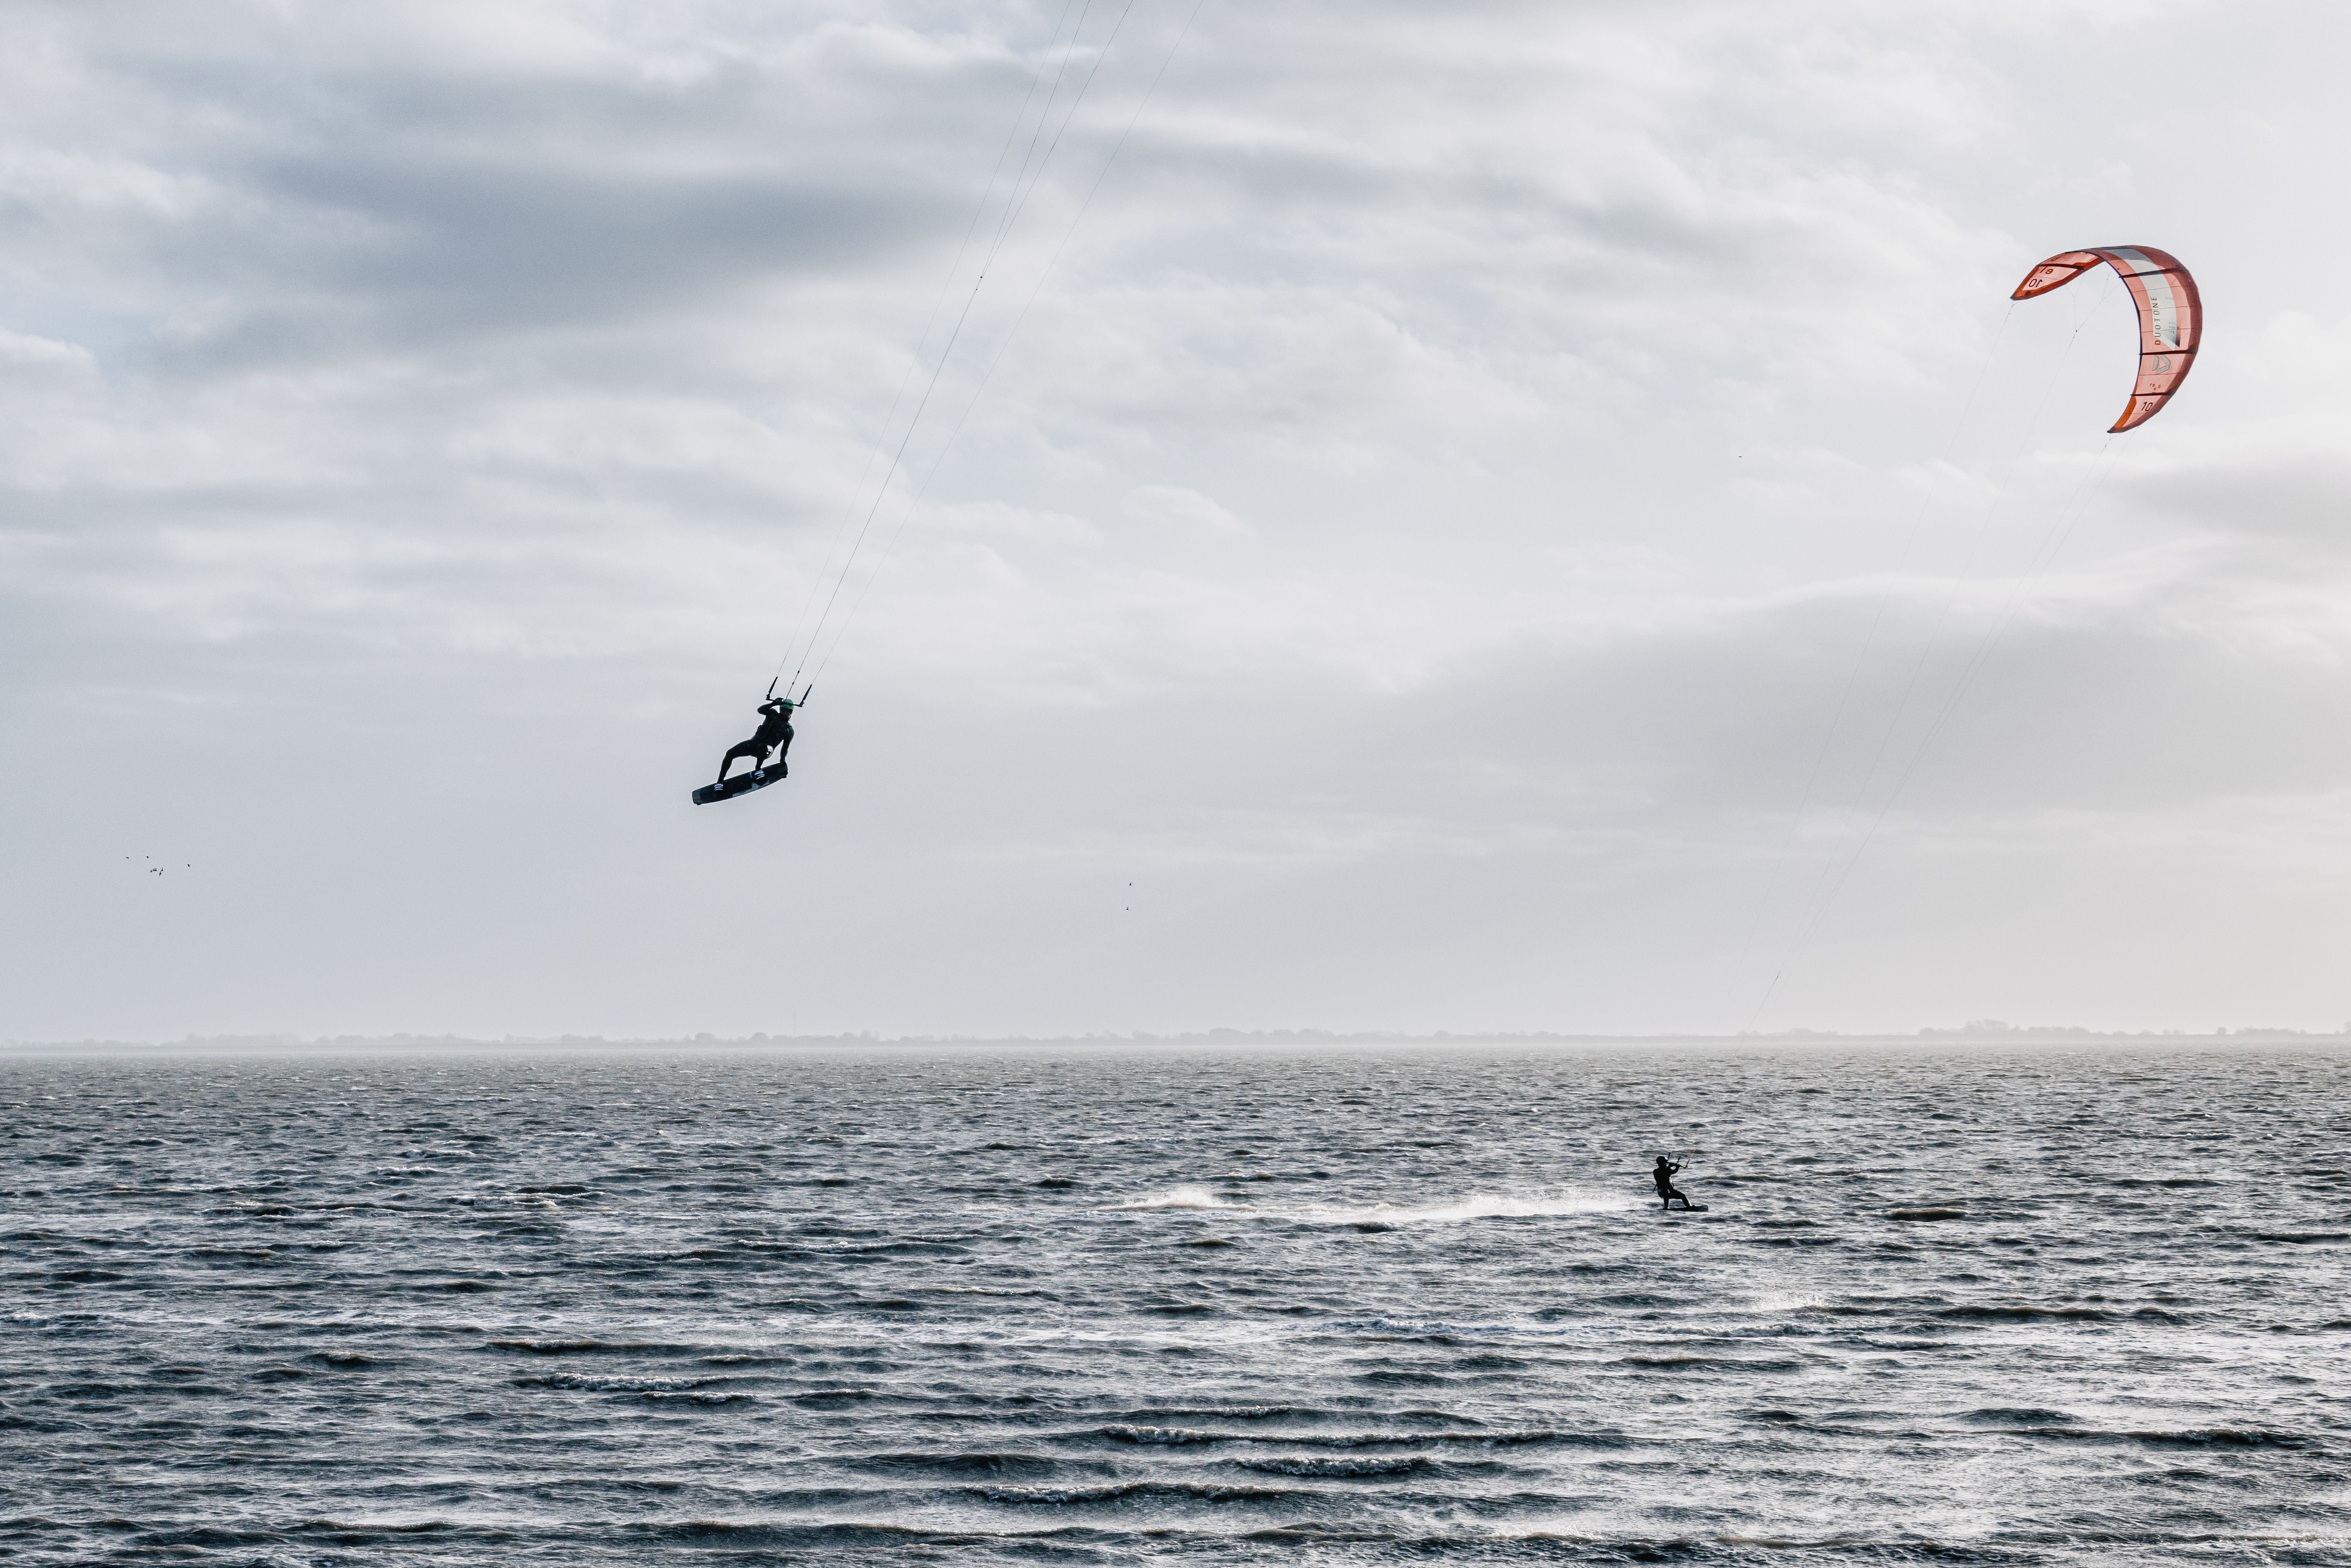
(1475,1206)
(2002,1306)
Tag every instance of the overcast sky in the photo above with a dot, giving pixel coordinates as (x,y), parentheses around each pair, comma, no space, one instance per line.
(1471,515)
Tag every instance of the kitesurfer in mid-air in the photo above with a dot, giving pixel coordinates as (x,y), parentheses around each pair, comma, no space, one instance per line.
(1664,1177)
(774,734)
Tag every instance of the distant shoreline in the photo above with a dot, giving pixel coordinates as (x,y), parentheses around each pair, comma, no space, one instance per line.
(295,1045)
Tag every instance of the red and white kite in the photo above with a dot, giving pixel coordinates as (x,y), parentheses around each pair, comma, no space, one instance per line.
(2170,316)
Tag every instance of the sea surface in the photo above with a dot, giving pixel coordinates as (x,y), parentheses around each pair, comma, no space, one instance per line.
(1304,1306)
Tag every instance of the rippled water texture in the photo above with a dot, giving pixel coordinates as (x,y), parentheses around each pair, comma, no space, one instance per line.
(970,1305)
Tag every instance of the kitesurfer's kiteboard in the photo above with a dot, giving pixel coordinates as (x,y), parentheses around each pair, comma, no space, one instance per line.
(741,784)
(1689,1208)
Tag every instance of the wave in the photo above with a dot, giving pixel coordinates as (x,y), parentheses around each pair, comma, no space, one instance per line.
(1449,1334)
(1176,1492)
(593,1347)
(995,1465)
(1341,1469)
(1151,1415)
(1171,1436)
(2006,1415)
(746,1535)
(2204,1438)
(1166,1436)
(619,1384)
(1706,1364)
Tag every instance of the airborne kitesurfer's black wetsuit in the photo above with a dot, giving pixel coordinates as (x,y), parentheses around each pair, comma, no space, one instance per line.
(775,734)
(1664,1177)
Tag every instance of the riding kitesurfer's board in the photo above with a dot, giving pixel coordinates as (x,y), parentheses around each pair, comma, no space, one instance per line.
(1691,1208)
(741,784)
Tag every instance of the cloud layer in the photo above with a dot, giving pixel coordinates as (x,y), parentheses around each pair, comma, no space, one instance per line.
(1513,516)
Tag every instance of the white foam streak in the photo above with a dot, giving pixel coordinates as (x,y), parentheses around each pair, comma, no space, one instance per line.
(1475,1205)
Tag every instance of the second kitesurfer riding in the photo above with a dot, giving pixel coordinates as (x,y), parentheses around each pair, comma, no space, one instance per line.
(1664,1177)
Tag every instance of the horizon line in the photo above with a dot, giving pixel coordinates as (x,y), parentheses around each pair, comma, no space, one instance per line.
(1979,1031)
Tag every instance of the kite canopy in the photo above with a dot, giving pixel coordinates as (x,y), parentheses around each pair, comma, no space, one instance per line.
(2170,316)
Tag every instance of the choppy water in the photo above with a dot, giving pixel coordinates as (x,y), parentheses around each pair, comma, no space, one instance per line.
(1309,1307)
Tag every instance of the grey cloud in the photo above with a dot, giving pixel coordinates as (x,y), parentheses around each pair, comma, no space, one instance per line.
(2298,494)
(442,248)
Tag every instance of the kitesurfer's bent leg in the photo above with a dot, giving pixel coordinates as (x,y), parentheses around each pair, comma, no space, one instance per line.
(751,748)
